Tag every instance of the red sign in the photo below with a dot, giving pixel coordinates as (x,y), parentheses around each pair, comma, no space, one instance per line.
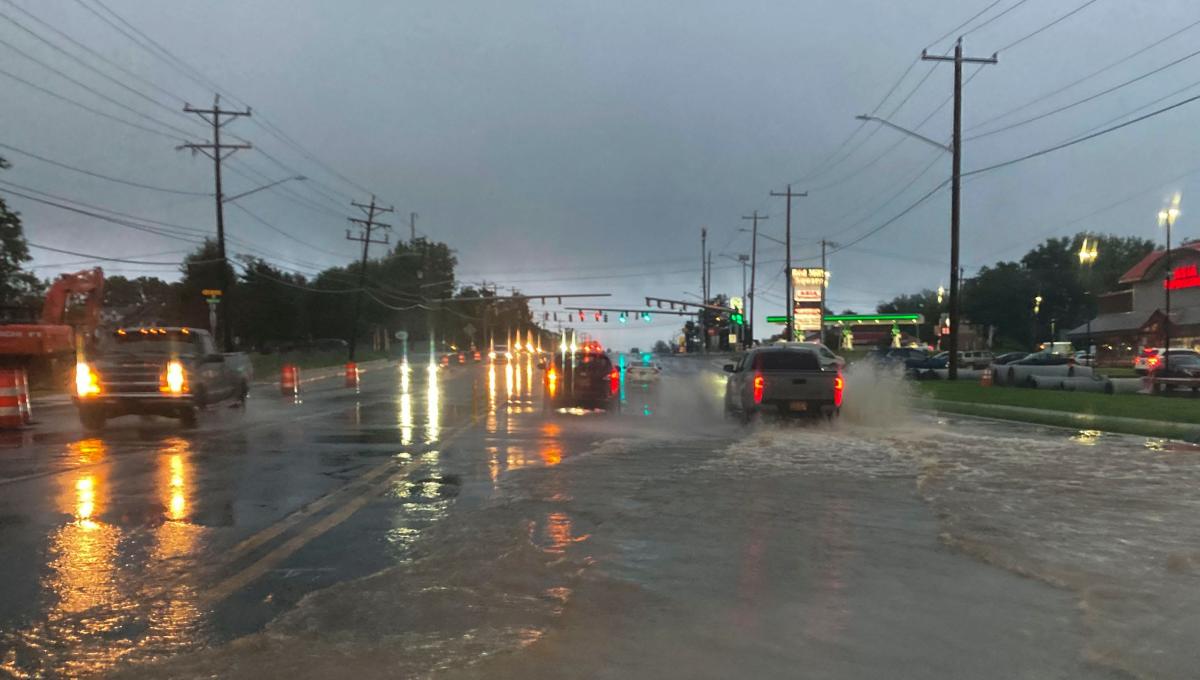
(1183,277)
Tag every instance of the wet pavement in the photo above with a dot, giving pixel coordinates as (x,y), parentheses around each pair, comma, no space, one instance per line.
(445,523)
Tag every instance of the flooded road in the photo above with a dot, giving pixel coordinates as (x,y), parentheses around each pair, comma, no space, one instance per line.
(445,524)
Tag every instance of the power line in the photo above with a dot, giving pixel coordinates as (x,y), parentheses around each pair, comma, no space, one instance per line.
(85,107)
(82,62)
(954,30)
(92,90)
(113,259)
(1087,77)
(98,175)
(1027,36)
(1086,99)
(283,233)
(161,228)
(92,52)
(1002,13)
(1084,138)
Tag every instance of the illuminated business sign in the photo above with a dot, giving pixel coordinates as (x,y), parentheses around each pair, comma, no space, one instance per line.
(808,285)
(1183,277)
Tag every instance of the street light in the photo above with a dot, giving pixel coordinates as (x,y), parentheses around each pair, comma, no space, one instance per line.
(1166,217)
(227,199)
(1087,257)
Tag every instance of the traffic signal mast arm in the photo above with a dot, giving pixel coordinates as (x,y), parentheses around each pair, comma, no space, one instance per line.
(658,304)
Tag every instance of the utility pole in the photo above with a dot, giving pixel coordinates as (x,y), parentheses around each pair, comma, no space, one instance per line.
(787,273)
(364,236)
(217,118)
(753,267)
(703,289)
(412,227)
(955,183)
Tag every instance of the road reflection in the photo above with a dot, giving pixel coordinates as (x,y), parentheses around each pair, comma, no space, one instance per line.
(405,404)
(433,407)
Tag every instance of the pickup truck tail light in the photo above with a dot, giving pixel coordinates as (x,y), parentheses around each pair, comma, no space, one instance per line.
(87,383)
(173,379)
(839,385)
(759,383)
(614,380)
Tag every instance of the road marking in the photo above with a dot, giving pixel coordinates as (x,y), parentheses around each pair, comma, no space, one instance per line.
(238,580)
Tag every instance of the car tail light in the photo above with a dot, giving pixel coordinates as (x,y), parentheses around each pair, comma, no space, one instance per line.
(839,385)
(87,383)
(174,379)
(1152,362)
(614,380)
(759,382)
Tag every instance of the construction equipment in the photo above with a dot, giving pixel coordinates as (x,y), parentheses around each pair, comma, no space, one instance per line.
(70,314)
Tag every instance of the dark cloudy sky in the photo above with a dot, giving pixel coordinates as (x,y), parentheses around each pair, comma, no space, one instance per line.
(581,146)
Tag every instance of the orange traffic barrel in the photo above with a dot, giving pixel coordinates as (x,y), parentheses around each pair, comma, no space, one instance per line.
(289,380)
(986,379)
(10,399)
(351,374)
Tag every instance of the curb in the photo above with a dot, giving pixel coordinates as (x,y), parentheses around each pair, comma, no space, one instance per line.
(1120,424)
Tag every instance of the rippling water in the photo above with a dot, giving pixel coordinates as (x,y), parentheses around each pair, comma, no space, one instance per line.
(890,545)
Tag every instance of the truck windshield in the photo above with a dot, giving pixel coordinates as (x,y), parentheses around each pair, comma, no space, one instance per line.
(162,342)
(786,361)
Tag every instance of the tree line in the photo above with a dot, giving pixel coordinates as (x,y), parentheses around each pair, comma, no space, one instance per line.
(1002,295)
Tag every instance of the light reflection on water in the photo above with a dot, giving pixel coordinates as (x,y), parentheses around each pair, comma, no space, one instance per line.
(433,424)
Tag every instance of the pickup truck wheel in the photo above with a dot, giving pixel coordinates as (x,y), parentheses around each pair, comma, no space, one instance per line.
(243,392)
(93,419)
(187,417)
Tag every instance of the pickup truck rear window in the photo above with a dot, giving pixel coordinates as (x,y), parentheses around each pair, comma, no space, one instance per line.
(786,361)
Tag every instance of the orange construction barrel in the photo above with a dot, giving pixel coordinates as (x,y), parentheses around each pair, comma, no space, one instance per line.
(10,399)
(289,380)
(351,374)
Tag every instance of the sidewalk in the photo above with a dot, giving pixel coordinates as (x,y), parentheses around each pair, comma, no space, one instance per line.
(1085,421)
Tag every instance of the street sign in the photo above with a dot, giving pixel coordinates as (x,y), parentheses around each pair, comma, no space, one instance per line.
(211,292)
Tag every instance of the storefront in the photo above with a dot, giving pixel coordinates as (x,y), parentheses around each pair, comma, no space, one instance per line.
(1134,317)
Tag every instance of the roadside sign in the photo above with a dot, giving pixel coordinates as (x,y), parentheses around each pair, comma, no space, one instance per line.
(211,292)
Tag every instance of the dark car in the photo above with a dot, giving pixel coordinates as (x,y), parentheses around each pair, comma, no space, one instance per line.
(584,379)
(927,363)
(1010,357)
(892,356)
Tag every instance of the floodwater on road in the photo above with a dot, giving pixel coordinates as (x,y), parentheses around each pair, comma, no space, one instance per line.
(666,543)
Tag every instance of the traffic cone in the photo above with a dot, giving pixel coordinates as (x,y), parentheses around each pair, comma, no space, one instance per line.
(351,374)
(23,397)
(289,380)
(10,400)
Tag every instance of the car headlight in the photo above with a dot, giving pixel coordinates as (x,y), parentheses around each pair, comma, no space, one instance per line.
(87,383)
(174,379)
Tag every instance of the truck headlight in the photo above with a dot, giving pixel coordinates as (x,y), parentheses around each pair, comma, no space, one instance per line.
(87,383)
(174,379)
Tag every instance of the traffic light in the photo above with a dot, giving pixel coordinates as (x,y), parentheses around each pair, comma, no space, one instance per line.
(597,316)
(646,317)
(581,315)
(737,319)
(623,318)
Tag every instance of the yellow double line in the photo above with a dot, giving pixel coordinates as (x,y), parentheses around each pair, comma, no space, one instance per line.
(352,496)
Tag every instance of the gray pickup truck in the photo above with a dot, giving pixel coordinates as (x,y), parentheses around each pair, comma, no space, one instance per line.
(161,371)
(787,380)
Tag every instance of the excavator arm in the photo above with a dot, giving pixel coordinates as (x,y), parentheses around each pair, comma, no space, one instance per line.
(89,284)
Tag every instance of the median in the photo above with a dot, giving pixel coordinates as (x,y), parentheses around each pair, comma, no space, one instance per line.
(1170,417)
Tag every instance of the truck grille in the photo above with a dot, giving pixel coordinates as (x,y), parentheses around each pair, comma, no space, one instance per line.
(129,377)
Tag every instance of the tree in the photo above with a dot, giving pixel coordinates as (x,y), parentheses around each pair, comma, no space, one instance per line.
(202,270)
(271,307)
(145,299)
(17,286)
(924,303)
(662,347)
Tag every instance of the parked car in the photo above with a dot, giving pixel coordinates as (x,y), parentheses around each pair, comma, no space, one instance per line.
(1182,366)
(1085,358)
(162,371)
(928,363)
(1150,357)
(896,356)
(1008,358)
(788,379)
(1021,371)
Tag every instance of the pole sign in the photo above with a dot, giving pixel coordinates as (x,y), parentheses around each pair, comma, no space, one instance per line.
(807,285)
